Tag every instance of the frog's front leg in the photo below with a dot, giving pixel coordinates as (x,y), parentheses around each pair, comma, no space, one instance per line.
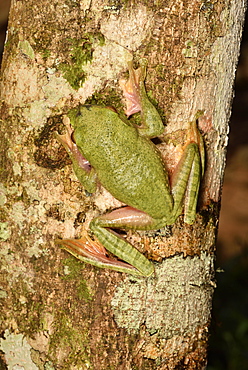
(92,252)
(137,101)
(82,168)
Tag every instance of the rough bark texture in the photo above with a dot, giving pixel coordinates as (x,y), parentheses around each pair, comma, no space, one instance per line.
(56,312)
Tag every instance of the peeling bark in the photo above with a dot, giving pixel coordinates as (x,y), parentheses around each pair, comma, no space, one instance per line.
(55,311)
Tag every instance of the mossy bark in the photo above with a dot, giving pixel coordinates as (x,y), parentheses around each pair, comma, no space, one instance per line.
(55,311)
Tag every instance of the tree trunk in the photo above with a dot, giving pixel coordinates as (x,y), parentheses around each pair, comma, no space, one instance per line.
(57,312)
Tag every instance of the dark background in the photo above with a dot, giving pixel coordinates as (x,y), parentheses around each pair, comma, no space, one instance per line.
(229,333)
(228,348)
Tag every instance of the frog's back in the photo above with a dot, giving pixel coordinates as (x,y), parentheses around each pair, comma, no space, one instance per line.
(128,165)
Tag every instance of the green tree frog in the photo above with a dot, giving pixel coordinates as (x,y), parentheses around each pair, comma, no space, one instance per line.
(109,150)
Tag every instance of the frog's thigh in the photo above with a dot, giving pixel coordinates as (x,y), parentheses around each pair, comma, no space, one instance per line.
(127,218)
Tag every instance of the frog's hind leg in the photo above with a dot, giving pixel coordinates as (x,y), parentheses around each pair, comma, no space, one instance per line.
(186,180)
(124,218)
(130,260)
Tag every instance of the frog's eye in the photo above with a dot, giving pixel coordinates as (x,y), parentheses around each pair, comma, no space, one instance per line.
(73,137)
(111,108)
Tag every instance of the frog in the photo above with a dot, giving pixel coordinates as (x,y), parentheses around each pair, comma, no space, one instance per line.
(106,148)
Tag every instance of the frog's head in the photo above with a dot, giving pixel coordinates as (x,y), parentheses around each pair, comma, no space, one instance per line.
(85,115)
(74,113)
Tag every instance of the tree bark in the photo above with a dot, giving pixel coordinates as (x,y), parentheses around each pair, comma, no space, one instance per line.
(57,312)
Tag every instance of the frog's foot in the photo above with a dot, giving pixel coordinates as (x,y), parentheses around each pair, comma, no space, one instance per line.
(72,149)
(194,136)
(90,251)
(131,89)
